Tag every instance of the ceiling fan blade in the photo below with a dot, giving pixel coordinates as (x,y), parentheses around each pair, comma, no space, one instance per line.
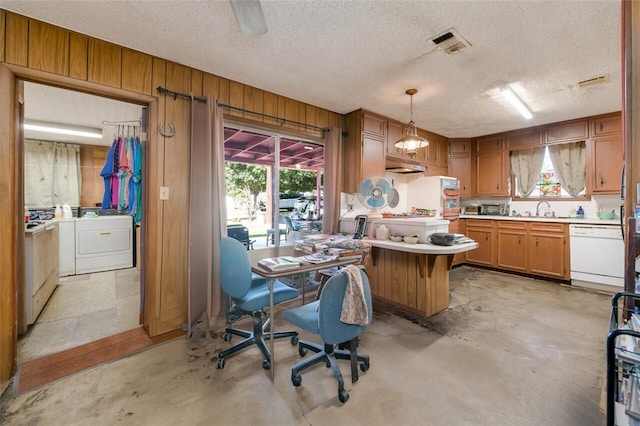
(249,16)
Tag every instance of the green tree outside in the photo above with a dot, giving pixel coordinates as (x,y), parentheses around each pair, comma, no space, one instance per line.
(245,181)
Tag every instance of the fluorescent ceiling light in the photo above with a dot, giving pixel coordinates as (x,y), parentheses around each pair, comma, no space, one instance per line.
(516,102)
(63,130)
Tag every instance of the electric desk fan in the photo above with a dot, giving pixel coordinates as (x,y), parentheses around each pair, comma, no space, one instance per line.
(373,193)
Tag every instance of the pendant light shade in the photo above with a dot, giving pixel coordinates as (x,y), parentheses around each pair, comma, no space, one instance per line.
(411,142)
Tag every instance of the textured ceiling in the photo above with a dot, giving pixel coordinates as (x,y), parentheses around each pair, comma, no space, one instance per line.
(345,55)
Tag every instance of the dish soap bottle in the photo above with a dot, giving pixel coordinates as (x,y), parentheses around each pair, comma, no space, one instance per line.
(580,213)
(58,212)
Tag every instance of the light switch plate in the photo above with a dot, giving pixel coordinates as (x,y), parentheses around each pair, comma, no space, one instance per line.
(164,192)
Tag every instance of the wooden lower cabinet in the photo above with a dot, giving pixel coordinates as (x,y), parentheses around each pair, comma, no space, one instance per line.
(482,232)
(538,248)
(416,282)
(548,253)
(512,246)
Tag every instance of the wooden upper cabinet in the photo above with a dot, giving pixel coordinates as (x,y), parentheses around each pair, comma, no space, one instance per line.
(567,132)
(374,125)
(607,125)
(523,140)
(459,146)
(48,48)
(606,164)
(491,174)
(443,157)
(363,152)
(460,167)
(490,144)
(394,132)
(433,149)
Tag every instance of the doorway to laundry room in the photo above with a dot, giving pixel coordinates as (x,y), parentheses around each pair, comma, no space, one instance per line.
(83,185)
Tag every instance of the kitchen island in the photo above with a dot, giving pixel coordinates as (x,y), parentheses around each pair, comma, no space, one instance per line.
(414,277)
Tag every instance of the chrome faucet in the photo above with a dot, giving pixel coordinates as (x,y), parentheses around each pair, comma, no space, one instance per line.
(538,207)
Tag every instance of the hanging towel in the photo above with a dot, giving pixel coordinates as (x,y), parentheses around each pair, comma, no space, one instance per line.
(354,304)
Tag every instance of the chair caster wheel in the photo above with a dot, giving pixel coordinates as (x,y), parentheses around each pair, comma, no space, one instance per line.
(266,365)
(343,395)
(220,363)
(296,380)
(302,351)
(364,366)
(294,340)
(227,337)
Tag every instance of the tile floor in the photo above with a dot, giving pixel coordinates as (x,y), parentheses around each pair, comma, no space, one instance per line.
(82,309)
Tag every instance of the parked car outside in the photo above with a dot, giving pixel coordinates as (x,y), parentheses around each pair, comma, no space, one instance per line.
(305,208)
(287,201)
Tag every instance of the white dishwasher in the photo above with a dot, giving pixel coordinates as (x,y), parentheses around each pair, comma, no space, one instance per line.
(597,256)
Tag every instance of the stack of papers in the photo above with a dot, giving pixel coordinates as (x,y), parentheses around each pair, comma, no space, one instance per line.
(280,263)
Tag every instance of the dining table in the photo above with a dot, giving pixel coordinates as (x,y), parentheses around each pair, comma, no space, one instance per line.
(305,267)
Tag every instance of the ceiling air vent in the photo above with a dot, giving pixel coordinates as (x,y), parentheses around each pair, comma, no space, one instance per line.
(601,79)
(449,42)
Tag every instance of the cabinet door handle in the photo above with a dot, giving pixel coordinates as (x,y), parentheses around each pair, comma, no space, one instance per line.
(601,126)
(601,181)
(536,242)
(497,186)
(486,237)
(519,240)
(105,233)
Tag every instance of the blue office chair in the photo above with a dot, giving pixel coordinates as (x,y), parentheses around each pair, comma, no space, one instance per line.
(340,340)
(249,297)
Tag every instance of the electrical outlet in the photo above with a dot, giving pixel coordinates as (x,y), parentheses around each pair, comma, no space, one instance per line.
(164,192)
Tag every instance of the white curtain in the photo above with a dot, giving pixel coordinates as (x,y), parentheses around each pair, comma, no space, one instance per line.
(332,179)
(570,163)
(52,173)
(208,214)
(526,165)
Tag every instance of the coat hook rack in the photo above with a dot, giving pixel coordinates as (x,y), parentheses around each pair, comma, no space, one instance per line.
(170,134)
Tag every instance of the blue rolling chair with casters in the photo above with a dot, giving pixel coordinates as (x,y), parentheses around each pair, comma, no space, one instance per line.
(249,297)
(340,339)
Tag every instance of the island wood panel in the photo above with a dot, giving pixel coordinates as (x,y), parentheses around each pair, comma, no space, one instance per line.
(175,219)
(78,56)
(105,63)
(418,283)
(136,72)
(17,36)
(48,48)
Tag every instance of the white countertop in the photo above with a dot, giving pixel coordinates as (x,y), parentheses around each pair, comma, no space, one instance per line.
(421,248)
(590,221)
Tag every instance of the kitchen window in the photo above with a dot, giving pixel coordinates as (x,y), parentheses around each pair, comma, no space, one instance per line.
(550,172)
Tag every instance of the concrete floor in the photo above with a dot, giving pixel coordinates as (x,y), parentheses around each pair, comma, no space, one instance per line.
(509,351)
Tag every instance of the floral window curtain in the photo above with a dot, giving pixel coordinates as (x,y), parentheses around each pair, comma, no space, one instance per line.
(52,173)
(570,163)
(526,165)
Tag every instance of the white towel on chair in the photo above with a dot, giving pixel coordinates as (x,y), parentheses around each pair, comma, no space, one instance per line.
(354,304)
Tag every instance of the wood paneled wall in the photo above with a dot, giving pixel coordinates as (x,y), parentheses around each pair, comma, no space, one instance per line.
(33,45)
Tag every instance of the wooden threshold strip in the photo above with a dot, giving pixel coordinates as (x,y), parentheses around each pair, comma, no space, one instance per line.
(38,372)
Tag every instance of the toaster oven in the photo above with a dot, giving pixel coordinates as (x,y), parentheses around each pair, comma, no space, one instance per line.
(471,210)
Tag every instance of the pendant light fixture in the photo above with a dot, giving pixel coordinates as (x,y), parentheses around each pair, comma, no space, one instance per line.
(411,142)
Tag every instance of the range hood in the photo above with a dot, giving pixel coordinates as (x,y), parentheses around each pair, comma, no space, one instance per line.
(396,166)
